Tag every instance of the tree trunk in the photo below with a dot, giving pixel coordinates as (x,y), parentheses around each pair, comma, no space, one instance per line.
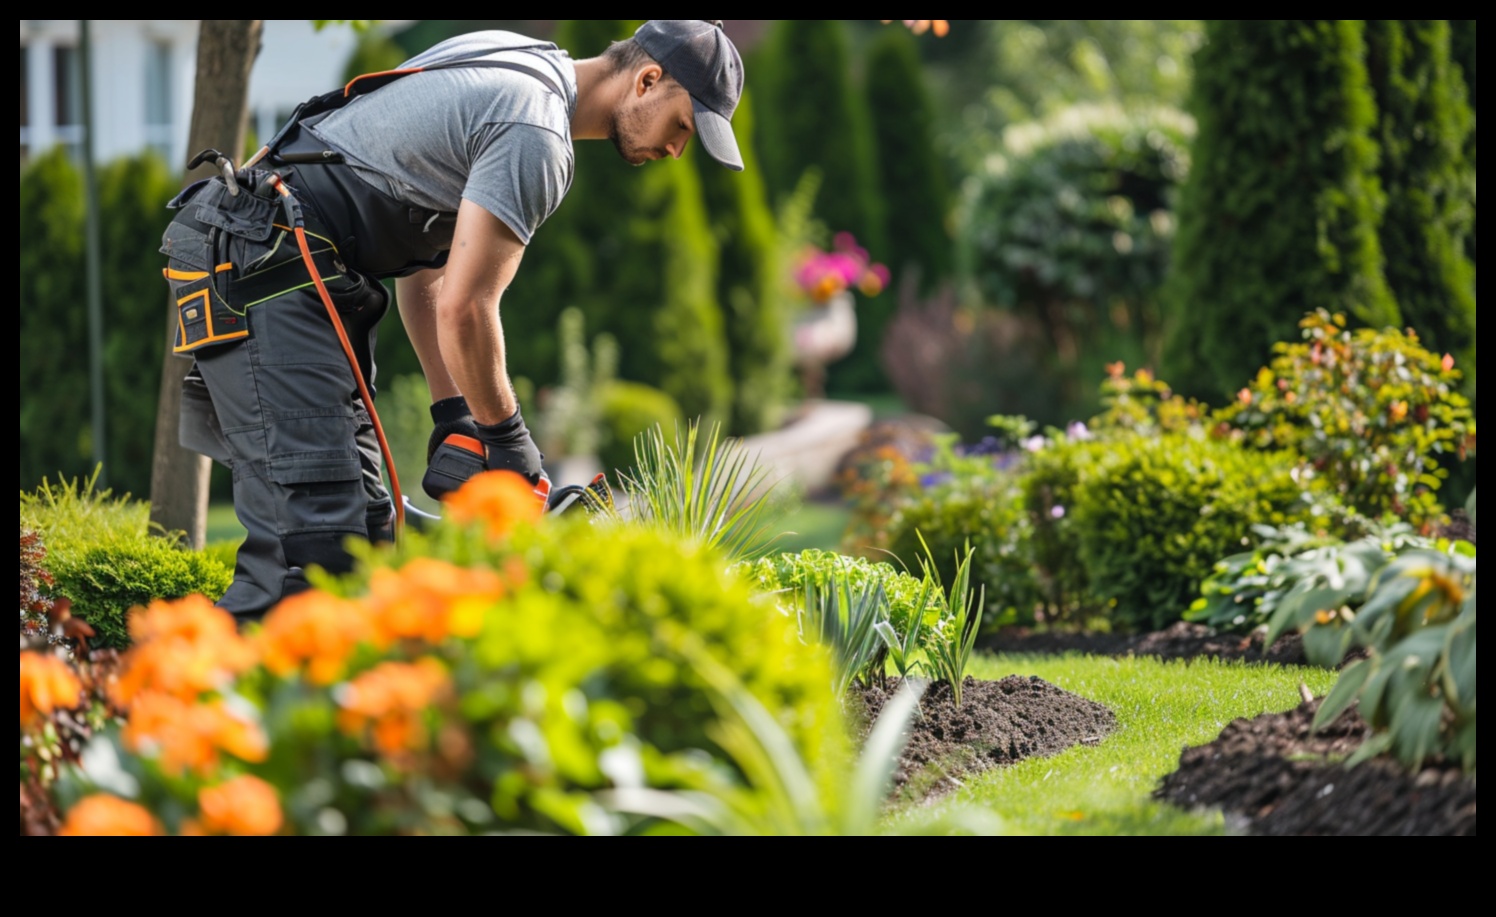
(226,50)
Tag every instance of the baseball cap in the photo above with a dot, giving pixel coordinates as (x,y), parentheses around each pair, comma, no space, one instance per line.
(698,54)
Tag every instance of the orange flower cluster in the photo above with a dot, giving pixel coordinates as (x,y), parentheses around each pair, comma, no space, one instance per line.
(430,600)
(190,736)
(47,684)
(392,698)
(941,27)
(499,500)
(313,629)
(183,648)
(243,807)
(109,816)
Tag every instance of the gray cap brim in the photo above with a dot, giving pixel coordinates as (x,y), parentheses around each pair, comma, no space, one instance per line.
(716,136)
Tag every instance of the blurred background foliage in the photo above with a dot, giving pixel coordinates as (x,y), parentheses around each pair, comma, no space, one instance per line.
(1051,196)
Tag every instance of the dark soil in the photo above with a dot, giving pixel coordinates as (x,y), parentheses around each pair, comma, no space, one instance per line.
(998,722)
(1273,776)
(1270,775)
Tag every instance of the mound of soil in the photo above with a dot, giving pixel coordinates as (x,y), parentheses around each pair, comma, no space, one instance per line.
(1272,776)
(999,722)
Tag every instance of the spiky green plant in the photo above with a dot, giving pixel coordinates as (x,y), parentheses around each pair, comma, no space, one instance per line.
(904,649)
(846,620)
(705,488)
(954,641)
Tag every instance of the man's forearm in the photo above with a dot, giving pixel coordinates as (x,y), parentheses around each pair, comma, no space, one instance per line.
(416,296)
(472,347)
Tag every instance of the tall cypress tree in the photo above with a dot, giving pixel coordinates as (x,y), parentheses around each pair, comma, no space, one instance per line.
(1462,41)
(632,249)
(911,180)
(1279,215)
(1424,123)
(814,118)
(748,285)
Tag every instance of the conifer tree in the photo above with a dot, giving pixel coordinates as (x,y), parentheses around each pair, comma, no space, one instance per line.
(1279,214)
(910,176)
(1424,123)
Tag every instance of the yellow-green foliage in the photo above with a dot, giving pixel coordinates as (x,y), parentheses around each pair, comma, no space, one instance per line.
(611,613)
(103,556)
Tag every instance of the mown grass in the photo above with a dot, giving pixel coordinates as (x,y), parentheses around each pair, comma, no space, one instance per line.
(1161,708)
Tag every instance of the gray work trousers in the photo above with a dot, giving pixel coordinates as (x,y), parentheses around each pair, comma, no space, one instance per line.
(280,406)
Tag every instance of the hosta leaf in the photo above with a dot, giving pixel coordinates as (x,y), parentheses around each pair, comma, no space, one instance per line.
(1415,725)
(1369,749)
(1388,593)
(1470,506)
(1344,694)
(1459,664)
(1326,644)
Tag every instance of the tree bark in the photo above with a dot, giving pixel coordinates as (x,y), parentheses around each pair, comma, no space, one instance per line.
(226,51)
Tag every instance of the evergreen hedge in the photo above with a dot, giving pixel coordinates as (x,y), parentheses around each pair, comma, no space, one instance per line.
(1279,216)
(1423,130)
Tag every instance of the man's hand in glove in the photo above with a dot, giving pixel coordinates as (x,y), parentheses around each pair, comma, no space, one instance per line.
(450,415)
(505,446)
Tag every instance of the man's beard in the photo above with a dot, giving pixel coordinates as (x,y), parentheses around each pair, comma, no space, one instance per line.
(625,129)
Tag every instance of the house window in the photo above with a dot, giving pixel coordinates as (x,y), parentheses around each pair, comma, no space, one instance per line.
(67,81)
(158,102)
(67,77)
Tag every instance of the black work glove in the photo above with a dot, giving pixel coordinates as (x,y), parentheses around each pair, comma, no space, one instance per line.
(505,446)
(450,415)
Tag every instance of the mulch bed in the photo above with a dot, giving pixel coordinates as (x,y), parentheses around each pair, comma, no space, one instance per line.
(1270,775)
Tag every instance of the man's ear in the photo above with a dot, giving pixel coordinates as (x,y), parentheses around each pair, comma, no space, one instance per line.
(647,78)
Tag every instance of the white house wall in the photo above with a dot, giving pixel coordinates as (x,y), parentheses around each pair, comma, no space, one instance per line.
(295,63)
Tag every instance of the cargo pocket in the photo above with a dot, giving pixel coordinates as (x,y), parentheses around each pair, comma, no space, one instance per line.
(204,318)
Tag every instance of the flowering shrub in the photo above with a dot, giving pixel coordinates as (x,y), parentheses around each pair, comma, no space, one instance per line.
(488,677)
(1373,412)
(823,274)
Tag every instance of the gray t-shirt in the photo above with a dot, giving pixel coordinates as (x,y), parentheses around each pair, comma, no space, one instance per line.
(498,137)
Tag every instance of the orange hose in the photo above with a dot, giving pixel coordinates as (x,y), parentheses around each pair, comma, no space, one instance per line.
(358,375)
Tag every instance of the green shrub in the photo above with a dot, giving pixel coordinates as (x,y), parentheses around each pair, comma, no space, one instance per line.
(1380,418)
(103,556)
(1073,227)
(75,514)
(107,581)
(1154,514)
(629,410)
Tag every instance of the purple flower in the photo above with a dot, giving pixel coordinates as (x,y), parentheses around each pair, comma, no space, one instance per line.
(1079,431)
(1057,512)
(935,479)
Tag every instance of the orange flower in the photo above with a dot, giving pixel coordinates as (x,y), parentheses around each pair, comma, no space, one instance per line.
(1448,362)
(1116,370)
(1398,411)
(109,816)
(1244,396)
(47,684)
(430,600)
(184,648)
(313,629)
(191,737)
(498,499)
(243,807)
(392,697)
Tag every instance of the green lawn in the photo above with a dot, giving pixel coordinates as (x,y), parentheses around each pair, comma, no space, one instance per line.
(1161,708)
(223,525)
